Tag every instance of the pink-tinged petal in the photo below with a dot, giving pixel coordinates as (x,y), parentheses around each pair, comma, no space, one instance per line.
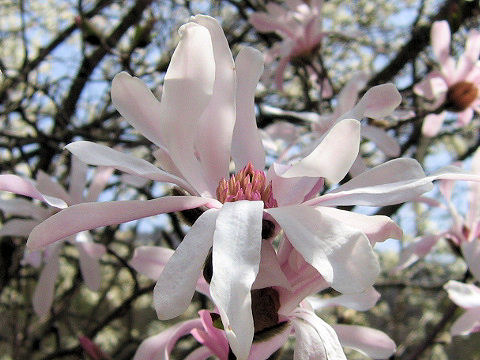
(99,182)
(32,258)
(349,94)
(89,216)
(472,47)
(187,90)
(150,260)
(159,346)
(393,182)
(44,291)
(473,213)
(387,144)
(360,301)
(370,342)
(236,257)
(315,339)
(136,103)
(330,246)
(247,143)
(18,227)
(471,254)
(440,39)
(416,250)
(264,349)
(280,71)
(467,323)
(23,207)
(165,161)
(289,191)
(78,179)
(377,227)
(21,186)
(341,143)
(89,254)
(176,284)
(269,272)
(201,353)
(465,295)
(100,155)
(432,87)
(378,102)
(211,337)
(213,147)
(46,185)
(358,166)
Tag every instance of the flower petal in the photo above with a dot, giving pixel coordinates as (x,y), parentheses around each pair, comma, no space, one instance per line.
(89,254)
(330,246)
(88,216)
(466,323)
(263,349)
(150,260)
(21,186)
(440,39)
(416,250)
(269,272)
(176,284)
(315,339)
(387,144)
(378,102)
(465,295)
(236,258)
(99,181)
(100,155)
(341,143)
(432,124)
(78,179)
(370,342)
(18,227)
(44,291)
(471,254)
(247,143)
(360,301)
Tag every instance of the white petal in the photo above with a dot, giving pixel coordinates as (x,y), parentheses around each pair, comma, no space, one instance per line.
(78,179)
(471,254)
(89,265)
(466,323)
(341,143)
(44,291)
(440,39)
(464,295)
(333,248)
(150,260)
(361,301)
(100,155)
(213,147)
(236,258)
(370,342)
(393,182)
(247,144)
(315,339)
(378,102)
(87,216)
(176,284)
(99,181)
(269,272)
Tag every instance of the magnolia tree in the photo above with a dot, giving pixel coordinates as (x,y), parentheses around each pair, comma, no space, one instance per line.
(240,179)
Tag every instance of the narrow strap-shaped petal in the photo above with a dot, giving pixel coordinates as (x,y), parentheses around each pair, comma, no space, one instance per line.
(23,207)
(150,260)
(370,342)
(360,301)
(264,349)
(471,254)
(44,291)
(466,323)
(341,143)
(201,353)
(21,186)
(89,216)
(236,258)
(89,265)
(213,147)
(247,144)
(99,181)
(47,185)
(269,272)
(417,250)
(378,102)
(78,179)
(386,143)
(440,39)
(176,284)
(18,227)
(330,246)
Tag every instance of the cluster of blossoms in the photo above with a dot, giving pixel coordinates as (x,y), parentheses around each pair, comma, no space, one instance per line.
(265,242)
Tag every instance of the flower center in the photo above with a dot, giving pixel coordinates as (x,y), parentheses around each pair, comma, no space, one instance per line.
(461,95)
(247,184)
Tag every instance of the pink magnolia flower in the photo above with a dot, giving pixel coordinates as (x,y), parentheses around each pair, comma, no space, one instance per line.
(455,85)
(466,296)
(206,118)
(464,232)
(299,24)
(50,192)
(277,314)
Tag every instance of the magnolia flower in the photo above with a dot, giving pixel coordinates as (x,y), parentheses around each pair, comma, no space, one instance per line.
(377,103)
(464,232)
(50,192)
(277,315)
(205,89)
(299,24)
(455,85)
(466,296)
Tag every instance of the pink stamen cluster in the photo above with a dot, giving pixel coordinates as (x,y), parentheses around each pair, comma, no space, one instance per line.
(248,184)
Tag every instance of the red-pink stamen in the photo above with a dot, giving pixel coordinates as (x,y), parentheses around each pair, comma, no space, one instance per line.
(248,184)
